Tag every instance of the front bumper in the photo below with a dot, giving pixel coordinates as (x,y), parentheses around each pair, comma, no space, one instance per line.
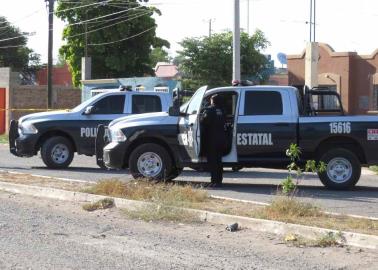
(21,145)
(114,155)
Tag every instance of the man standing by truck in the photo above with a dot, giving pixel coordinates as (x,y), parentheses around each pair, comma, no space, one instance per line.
(214,138)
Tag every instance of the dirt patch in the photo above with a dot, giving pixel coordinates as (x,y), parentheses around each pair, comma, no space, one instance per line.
(27,179)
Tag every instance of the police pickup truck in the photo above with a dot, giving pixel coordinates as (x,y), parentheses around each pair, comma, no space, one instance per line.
(262,121)
(59,134)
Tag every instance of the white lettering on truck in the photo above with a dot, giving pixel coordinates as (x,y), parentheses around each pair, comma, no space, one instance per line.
(254,139)
(88,132)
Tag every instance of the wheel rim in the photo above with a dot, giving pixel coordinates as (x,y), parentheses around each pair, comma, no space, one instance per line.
(150,164)
(339,170)
(60,153)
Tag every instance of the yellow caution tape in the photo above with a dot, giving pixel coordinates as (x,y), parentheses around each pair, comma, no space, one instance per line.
(32,110)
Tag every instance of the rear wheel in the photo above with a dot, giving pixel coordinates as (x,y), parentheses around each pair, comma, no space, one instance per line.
(343,169)
(57,152)
(150,161)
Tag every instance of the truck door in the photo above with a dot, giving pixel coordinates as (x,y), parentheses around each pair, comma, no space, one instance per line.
(102,112)
(189,128)
(266,126)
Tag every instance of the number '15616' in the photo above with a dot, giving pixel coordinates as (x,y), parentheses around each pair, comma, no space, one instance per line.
(340,127)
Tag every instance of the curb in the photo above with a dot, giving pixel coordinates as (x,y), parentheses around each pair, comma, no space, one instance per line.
(260,225)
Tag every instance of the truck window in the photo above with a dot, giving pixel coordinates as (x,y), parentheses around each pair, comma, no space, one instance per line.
(110,105)
(146,104)
(263,103)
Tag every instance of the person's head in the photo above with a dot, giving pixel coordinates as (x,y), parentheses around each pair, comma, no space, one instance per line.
(216,100)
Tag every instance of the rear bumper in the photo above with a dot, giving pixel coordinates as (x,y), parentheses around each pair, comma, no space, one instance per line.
(114,155)
(21,145)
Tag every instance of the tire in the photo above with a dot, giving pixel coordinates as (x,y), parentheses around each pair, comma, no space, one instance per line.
(150,161)
(236,168)
(175,172)
(343,169)
(57,152)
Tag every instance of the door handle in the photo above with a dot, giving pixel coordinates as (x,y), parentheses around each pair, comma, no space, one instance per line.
(282,124)
(191,124)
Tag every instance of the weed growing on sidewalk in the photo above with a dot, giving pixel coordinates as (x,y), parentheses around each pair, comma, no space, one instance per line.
(160,193)
(3,138)
(329,239)
(101,204)
(374,169)
(289,186)
(162,213)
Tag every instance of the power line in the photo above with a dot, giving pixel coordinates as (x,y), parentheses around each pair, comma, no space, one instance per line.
(122,11)
(83,6)
(15,46)
(6,39)
(91,31)
(112,42)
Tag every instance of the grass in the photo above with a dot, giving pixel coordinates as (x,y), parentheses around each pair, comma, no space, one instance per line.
(101,204)
(327,240)
(3,138)
(291,210)
(162,213)
(169,196)
(160,193)
(374,169)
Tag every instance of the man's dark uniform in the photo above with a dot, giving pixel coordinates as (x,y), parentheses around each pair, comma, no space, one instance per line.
(214,140)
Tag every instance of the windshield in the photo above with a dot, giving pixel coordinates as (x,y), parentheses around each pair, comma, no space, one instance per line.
(194,104)
(86,103)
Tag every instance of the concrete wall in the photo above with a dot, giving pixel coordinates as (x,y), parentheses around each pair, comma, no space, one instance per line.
(35,97)
(26,99)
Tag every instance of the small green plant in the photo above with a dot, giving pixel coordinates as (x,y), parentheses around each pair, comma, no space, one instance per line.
(3,138)
(101,204)
(289,186)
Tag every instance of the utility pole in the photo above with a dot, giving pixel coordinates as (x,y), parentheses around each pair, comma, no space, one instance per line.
(210,20)
(50,53)
(236,42)
(312,22)
(248,17)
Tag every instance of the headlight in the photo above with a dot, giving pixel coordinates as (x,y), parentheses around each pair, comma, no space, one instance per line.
(27,128)
(116,135)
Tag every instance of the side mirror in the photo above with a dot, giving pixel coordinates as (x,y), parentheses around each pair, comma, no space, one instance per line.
(88,110)
(173,111)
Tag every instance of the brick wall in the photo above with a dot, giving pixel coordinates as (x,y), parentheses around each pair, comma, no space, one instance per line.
(35,97)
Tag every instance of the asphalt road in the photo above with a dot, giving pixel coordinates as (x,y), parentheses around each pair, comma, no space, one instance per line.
(47,234)
(249,184)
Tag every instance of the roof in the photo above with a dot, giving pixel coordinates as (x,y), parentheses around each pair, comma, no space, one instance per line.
(166,71)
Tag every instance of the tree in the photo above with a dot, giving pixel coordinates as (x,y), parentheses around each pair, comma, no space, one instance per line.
(120,37)
(159,55)
(15,54)
(208,60)
(13,50)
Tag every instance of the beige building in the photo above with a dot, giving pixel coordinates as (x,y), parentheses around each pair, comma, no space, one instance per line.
(354,76)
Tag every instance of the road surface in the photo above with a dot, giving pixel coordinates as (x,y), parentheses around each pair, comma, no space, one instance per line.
(45,234)
(249,184)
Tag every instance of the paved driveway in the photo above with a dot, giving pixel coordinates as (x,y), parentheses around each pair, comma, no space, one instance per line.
(255,184)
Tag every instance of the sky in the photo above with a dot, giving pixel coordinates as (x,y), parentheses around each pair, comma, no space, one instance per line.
(346,25)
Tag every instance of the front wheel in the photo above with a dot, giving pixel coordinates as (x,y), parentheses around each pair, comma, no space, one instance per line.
(343,169)
(57,152)
(150,161)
